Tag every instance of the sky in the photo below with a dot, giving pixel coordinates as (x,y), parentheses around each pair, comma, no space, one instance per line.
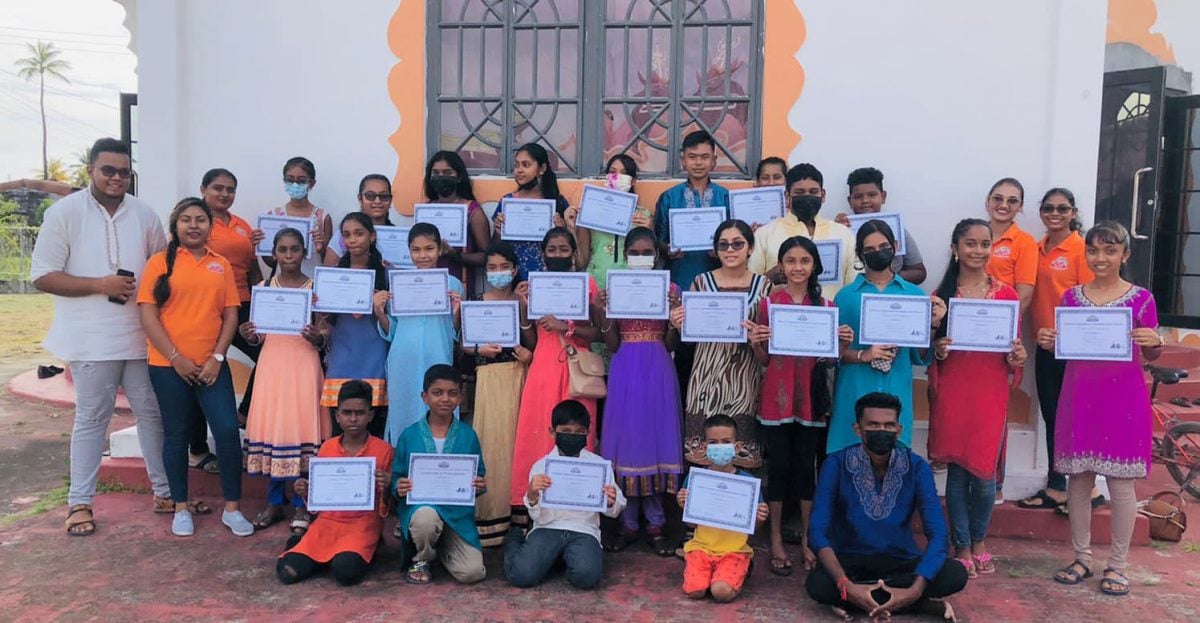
(94,41)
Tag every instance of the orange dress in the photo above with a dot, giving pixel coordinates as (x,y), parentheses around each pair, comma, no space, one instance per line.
(334,532)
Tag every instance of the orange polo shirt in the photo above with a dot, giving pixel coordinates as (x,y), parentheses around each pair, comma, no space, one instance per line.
(1014,258)
(1059,269)
(232,242)
(200,292)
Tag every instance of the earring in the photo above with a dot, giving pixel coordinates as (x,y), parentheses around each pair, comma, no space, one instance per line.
(955,257)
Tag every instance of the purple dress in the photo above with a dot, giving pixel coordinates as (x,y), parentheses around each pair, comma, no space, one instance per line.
(1104,418)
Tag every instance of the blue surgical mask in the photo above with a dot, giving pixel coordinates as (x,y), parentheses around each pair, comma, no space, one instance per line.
(295,191)
(500,279)
(719,454)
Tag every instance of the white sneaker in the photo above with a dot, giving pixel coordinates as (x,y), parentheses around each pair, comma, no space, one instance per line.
(237,523)
(182,524)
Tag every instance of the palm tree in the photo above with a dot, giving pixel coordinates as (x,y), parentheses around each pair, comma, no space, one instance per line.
(79,175)
(56,170)
(43,59)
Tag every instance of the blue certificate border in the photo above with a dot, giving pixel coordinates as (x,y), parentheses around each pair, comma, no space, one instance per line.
(447,500)
(1011,308)
(550,205)
(688,336)
(734,195)
(584,314)
(663,276)
(836,277)
(1126,354)
(603,466)
(681,212)
(444,275)
(774,309)
(913,343)
(335,307)
(719,522)
(481,305)
(304,224)
(319,464)
(461,239)
(895,220)
(593,189)
(304,293)
(403,232)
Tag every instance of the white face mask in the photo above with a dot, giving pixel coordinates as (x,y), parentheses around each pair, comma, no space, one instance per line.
(619,181)
(640,262)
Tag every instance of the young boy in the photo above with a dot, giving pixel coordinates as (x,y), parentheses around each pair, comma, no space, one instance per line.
(439,532)
(343,540)
(717,560)
(867,196)
(571,535)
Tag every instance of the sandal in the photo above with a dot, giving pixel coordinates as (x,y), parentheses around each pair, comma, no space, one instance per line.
(984,564)
(1064,511)
(207,464)
(419,573)
(658,543)
(1041,499)
(269,516)
(1070,575)
(166,506)
(1118,586)
(970,565)
(781,566)
(619,542)
(792,532)
(300,521)
(81,527)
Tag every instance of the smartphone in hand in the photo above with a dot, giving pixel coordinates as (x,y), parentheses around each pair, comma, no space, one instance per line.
(122,273)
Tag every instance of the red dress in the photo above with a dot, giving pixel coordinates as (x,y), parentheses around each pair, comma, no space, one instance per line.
(786,378)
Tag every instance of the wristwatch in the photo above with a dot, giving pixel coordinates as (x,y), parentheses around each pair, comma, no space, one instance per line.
(219,357)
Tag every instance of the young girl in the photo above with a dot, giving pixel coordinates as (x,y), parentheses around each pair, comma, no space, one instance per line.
(299,177)
(1104,425)
(417,342)
(188,303)
(968,400)
(1014,260)
(771,171)
(642,412)
(286,425)
(375,201)
(725,377)
(793,433)
(605,253)
(499,379)
(536,180)
(447,181)
(549,379)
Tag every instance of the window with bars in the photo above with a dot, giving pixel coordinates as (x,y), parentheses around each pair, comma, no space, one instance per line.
(589,79)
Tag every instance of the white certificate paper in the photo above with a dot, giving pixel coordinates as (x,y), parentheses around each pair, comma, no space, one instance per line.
(442,479)
(392,243)
(280,310)
(714,317)
(341,484)
(639,294)
(605,209)
(343,290)
(893,219)
(270,225)
(831,261)
(803,330)
(490,322)
(720,500)
(898,320)
(575,484)
(692,229)
(756,205)
(562,295)
(449,218)
(527,220)
(420,292)
(1093,333)
(982,325)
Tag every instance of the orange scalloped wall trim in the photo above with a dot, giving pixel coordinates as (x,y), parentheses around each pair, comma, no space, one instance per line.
(783,77)
(406,87)
(1130,21)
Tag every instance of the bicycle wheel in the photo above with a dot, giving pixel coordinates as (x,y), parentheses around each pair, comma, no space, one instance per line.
(1181,453)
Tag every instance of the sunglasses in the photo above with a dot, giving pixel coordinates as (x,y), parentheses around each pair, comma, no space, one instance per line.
(109,171)
(371,195)
(736,245)
(1063,209)
(296,180)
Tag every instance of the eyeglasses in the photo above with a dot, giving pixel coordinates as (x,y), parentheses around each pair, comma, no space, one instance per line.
(736,245)
(295,180)
(371,195)
(1063,209)
(1001,199)
(109,171)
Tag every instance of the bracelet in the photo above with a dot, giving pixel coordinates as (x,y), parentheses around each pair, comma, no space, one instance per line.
(842,585)
(942,358)
(570,329)
(859,356)
(527,326)
(603,330)
(174,354)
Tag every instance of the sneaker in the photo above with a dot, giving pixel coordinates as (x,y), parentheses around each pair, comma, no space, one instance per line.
(182,524)
(237,523)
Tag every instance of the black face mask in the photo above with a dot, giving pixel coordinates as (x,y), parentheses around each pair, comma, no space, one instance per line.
(805,207)
(879,441)
(570,444)
(531,184)
(558,264)
(443,185)
(879,260)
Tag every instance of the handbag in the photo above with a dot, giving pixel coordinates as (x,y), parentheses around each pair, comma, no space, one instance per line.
(820,391)
(1167,520)
(585,370)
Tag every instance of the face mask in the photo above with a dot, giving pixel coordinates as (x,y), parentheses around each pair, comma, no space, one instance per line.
(531,184)
(879,441)
(443,185)
(805,207)
(295,191)
(500,279)
(558,264)
(640,262)
(619,181)
(570,444)
(879,260)
(719,454)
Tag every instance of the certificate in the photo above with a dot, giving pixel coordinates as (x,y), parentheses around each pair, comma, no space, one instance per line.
(280,310)
(982,325)
(1094,333)
(714,317)
(756,205)
(446,479)
(893,219)
(420,292)
(831,261)
(392,243)
(639,294)
(562,295)
(692,229)
(720,500)
(341,484)
(576,484)
(892,319)
(449,218)
(605,209)
(270,225)
(803,330)
(490,322)
(527,219)
(343,290)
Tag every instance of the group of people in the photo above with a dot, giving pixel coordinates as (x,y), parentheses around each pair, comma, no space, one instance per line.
(831,438)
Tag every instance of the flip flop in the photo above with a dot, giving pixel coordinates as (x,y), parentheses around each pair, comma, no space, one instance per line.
(1039,500)
(659,545)
(269,516)
(619,542)
(207,464)
(781,566)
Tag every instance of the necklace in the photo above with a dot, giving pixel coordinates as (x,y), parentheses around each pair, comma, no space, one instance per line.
(982,286)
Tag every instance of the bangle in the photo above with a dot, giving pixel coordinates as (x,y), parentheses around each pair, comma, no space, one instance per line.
(943,357)
(527,326)
(174,354)
(842,585)
(859,356)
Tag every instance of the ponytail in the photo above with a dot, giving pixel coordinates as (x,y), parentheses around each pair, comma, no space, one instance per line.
(162,286)
(948,286)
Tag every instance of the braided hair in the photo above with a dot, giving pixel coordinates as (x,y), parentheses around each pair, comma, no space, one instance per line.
(162,287)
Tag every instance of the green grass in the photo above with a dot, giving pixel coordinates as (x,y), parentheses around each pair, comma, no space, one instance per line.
(1191,547)
(27,318)
(57,498)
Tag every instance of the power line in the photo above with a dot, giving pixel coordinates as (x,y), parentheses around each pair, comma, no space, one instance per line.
(57,91)
(63,32)
(21,45)
(56,40)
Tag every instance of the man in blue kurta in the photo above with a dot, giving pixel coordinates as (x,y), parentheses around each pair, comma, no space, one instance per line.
(861,526)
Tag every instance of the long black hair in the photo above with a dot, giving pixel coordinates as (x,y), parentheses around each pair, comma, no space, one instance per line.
(627,163)
(1109,232)
(743,228)
(870,227)
(425,230)
(548,181)
(948,286)
(286,231)
(374,257)
(1075,225)
(162,287)
(465,190)
(211,176)
(813,287)
(377,177)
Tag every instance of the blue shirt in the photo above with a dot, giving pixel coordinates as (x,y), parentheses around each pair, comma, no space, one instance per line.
(685,269)
(855,513)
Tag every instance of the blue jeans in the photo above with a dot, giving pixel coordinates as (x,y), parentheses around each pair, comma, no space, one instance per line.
(969,502)
(178,400)
(277,493)
(527,559)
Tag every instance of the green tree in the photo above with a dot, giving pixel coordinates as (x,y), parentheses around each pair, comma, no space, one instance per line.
(79,174)
(40,213)
(9,212)
(43,59)
(57,170)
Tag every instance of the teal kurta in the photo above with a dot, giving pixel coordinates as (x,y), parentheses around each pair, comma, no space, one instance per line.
(418,438)
(855,380)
